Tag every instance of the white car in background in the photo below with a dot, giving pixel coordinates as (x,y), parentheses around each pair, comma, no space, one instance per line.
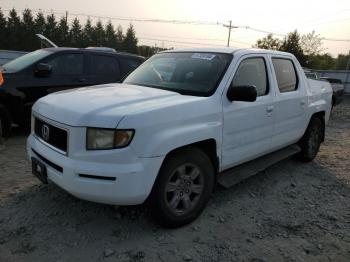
(338,89)
(178,125)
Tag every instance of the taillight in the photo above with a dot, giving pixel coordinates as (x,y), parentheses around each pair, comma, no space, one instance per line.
(1,79)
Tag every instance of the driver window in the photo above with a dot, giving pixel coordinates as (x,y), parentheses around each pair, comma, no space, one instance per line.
(252,71)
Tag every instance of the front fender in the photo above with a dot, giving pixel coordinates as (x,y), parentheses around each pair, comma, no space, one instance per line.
(161,131)
(163,141)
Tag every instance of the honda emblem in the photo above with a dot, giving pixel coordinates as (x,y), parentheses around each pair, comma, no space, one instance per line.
(45,131)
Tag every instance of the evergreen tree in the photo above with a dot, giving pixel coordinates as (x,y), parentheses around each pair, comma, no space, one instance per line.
(28,32)
(292,44)
(119,38)
(98,34)
(87,34)
(39,23)
(19,33)
(3,31)
(75,34)
(110,39)
(51,28)
(63,33)
(14,30)
(130,40)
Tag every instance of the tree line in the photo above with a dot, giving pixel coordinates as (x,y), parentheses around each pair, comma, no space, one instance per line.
(17,32)
(307,48)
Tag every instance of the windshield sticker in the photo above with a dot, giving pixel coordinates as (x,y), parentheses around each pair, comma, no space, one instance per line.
(204,56)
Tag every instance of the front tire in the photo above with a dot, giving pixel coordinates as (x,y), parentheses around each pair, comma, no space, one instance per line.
(311,141)
(184,185)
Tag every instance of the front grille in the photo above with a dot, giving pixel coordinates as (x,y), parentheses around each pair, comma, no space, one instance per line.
(54,136)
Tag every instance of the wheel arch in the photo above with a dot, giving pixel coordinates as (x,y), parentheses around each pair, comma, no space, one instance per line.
(321,115)
(208,146)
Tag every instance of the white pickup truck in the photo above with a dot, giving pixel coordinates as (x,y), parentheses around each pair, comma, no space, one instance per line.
(178,125)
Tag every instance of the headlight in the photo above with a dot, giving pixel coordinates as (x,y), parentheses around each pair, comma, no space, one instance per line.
(101,138)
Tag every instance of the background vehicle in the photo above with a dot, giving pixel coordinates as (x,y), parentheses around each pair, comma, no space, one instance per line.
(311,74)
(182,122)
(9,55)
(36,74)
(338,89)
(336,84)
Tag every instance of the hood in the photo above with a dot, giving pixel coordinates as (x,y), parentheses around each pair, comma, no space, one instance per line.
(104,105)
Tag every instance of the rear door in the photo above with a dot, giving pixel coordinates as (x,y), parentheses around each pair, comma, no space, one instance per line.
(103,69)
(248,126)
(290,103)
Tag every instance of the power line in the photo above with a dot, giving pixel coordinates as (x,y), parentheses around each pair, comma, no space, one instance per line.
(193,38)
(181,37)
(179,42)
(280,34)
(335,39)
(170,21)
(129,19)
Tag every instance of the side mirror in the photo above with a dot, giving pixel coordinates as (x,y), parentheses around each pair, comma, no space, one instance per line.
(43,70)
(246,93)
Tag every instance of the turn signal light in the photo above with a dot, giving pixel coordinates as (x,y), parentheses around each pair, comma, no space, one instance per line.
(1,79)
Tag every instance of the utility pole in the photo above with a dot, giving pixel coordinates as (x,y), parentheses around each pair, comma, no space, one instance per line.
(65,36)
(348,73)
(230,27)
(66,17)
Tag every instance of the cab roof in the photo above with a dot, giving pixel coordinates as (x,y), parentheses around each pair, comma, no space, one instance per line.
(228,50)
(90,50)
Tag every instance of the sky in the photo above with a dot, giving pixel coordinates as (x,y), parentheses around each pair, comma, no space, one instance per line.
(329,19)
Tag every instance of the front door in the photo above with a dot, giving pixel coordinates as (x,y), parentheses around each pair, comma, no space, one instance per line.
(248,126)
(67,71)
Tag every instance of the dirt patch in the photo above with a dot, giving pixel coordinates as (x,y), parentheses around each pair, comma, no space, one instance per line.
(291,212)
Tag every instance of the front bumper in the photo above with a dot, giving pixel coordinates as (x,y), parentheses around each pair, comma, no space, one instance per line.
(134,177)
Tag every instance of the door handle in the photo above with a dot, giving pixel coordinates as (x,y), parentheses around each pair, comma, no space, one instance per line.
(269,109)
(302,103)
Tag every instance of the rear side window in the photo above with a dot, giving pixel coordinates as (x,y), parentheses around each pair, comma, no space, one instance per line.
(285,74)
(104,65)
(252,71)
(67,64)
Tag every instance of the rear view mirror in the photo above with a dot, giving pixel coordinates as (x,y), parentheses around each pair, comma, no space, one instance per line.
(246,93)
(43,70)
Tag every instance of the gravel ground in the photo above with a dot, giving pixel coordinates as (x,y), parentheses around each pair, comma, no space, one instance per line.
(290,212)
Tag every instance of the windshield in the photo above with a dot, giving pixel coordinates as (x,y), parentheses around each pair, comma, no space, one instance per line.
(25,60)
(191,73)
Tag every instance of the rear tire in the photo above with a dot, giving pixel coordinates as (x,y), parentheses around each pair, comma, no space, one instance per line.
(311,141)
(183,187)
